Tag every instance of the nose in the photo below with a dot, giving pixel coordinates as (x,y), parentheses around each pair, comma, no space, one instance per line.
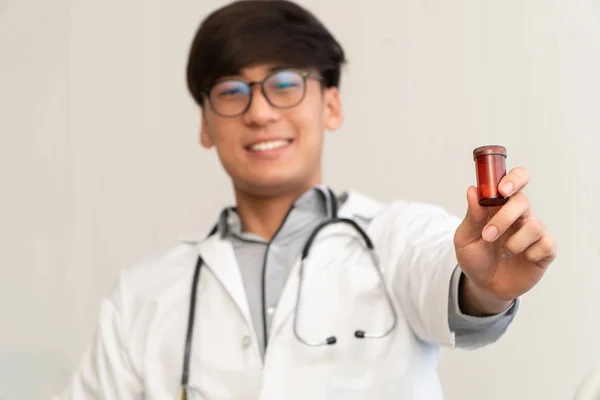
(260,112)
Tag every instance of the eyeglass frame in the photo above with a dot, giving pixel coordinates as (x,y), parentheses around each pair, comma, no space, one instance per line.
(303,74)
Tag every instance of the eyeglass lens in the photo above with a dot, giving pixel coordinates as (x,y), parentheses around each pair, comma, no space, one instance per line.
(282,89)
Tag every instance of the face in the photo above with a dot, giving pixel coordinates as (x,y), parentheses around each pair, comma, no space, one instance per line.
(269,150)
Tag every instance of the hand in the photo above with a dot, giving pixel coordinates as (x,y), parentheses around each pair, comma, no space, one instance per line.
(504,250)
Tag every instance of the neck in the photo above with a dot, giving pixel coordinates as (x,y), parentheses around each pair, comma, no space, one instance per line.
(263,215)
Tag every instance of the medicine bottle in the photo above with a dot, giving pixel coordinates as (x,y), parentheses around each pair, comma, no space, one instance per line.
(490,163)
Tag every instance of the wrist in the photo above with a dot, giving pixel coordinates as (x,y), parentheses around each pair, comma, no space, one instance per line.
(479,301)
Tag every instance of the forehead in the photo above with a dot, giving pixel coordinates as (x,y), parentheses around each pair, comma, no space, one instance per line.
(259,71)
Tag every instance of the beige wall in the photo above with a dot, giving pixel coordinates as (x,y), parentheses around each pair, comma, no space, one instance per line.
(101,167)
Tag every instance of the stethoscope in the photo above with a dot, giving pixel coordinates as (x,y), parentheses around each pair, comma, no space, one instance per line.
(186,394)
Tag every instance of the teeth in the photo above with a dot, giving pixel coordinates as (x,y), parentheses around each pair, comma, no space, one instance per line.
(274,144)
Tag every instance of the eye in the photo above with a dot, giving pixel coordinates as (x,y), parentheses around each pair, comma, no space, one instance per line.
(285,80)
(286,84)
(230,89)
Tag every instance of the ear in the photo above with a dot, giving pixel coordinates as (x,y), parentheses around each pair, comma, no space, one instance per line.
(334,116)
(205,134)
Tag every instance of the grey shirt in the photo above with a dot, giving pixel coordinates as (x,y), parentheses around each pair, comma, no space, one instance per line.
(269,263)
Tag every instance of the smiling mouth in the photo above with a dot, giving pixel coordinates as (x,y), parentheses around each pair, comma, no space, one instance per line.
(269,145)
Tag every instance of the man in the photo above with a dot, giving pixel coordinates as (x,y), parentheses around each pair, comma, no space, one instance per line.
(265,325)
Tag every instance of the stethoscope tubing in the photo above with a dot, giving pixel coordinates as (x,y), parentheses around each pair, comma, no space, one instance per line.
(331,340)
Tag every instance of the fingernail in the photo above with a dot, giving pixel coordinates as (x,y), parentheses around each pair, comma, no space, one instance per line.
(507,188)
(490,233)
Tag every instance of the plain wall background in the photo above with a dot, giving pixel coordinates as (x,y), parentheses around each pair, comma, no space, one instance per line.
(101,164)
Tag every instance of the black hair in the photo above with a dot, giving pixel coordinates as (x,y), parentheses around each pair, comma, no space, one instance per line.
(251,32)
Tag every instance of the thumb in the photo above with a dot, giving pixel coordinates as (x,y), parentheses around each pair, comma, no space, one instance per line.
(476,218)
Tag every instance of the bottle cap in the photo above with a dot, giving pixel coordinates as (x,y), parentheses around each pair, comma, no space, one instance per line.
(488,151)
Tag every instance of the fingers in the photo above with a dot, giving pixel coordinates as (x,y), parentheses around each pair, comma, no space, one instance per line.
(543,251)
(473,223)
(476,213)
(514,181)
(530,233)
(518,206)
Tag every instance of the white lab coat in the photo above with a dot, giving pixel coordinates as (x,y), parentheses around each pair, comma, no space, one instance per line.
(589,389)
(138,350)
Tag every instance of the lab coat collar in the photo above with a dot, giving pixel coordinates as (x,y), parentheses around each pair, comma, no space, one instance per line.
(219,258)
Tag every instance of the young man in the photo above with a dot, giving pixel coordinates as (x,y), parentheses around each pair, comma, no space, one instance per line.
(265,325)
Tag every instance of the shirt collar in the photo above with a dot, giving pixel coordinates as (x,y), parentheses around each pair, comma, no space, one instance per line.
(317,198)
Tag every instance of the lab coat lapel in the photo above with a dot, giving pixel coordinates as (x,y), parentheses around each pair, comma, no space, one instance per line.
(219,257)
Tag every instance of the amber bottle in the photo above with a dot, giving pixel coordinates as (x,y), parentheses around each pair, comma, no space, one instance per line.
(490,163)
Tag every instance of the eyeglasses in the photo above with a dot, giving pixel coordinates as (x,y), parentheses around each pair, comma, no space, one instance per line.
(282,88)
